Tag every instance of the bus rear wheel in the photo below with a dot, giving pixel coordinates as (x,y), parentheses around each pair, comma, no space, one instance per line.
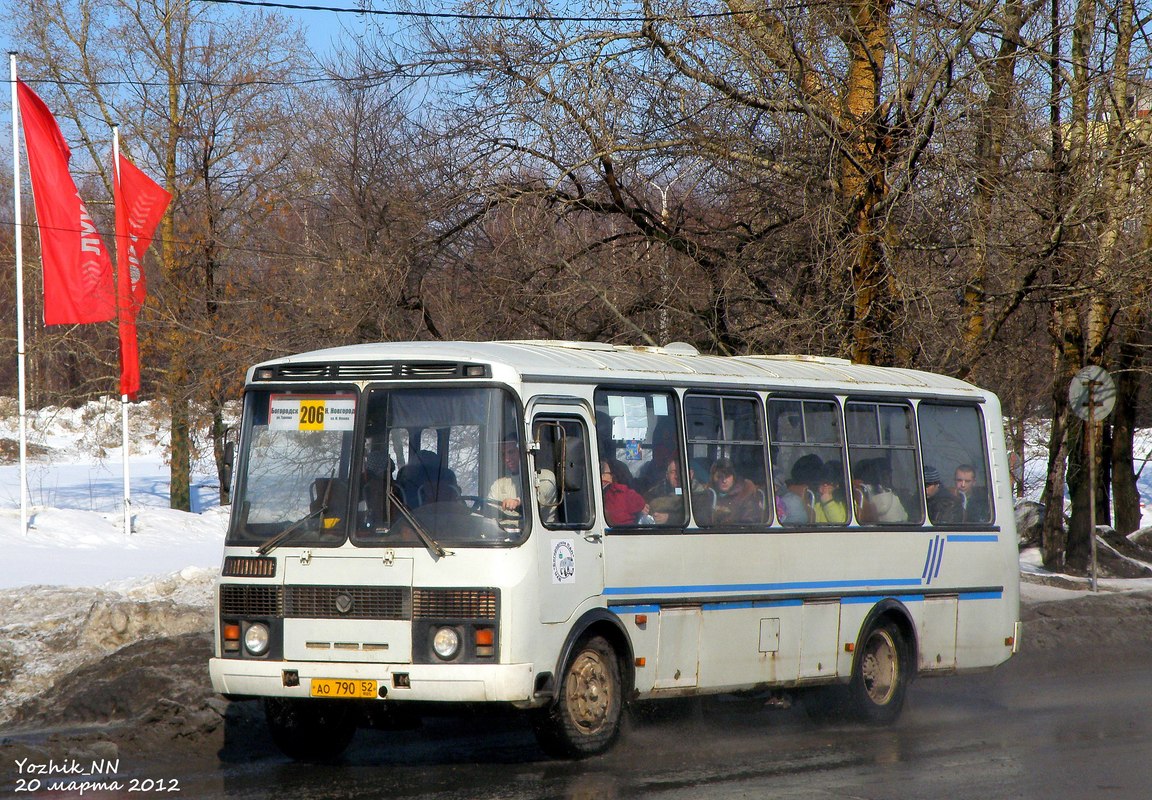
(310,730)
(584,719)
(880,675)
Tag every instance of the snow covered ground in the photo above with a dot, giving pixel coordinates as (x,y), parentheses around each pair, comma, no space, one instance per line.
(75,480)
(75,586)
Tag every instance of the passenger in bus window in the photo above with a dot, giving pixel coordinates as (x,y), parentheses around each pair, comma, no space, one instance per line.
(732,499)
(623,505)
(505,490)
(941,504)
(666,498)
(876,502)
(800,500)
(971,500)
(830,508)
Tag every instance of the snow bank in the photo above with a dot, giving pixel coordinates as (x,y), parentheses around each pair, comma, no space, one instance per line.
(76,535)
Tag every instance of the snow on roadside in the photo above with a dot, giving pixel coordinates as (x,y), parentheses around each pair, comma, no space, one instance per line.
(49,631)
(66,547)
(75,587)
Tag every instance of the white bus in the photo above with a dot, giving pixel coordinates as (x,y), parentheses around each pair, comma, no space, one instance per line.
(565,527)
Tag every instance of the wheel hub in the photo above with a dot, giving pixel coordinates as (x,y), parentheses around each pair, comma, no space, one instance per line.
(588,694)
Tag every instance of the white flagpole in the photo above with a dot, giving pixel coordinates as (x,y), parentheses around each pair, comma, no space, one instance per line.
(20,353)
(119,311)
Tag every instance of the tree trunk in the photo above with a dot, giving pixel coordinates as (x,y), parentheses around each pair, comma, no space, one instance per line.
(180,469)
(219,429)
(1077,556)
(1126,495)
(994,121)
(1068,345)
(862,181)
(1054,536)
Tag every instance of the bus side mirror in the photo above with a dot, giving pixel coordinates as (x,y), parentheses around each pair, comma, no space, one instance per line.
(229,461)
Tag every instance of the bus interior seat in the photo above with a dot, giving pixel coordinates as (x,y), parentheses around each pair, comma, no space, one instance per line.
(424,468)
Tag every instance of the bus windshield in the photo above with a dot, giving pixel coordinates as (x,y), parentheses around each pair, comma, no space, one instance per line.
(416,467)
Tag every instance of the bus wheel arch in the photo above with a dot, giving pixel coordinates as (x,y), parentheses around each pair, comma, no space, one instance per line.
(594,679)
(884,664)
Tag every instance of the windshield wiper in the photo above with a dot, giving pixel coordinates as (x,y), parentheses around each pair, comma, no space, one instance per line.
(433,546)
(281,537)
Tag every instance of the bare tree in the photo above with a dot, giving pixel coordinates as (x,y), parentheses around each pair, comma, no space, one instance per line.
(192,93)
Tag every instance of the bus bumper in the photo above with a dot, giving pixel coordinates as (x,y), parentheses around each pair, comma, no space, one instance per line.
(451,683)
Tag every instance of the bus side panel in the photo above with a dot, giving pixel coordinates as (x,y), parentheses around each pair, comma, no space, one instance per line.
(982,632)
(936,623)
(748,644)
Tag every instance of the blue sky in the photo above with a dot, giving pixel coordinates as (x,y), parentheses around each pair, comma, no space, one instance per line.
(320,26)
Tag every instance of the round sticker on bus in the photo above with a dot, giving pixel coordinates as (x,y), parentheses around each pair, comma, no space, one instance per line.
(563,561)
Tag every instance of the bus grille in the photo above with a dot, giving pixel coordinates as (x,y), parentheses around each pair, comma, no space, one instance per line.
(242,600)
(454,603)
(356,602)
(347,602)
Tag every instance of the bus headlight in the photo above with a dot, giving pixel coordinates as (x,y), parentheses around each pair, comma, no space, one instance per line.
(446,643)
(256,639)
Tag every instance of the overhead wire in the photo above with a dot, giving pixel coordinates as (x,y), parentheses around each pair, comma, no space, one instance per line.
(463,15)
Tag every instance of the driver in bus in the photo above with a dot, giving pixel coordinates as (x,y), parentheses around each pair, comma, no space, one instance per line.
(505,490)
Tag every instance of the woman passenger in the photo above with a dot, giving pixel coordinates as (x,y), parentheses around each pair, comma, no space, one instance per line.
(623,505)
(734,499)
(830,508)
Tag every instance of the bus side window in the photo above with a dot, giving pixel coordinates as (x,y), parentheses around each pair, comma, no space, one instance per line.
(638,433)
(728,434)
(882,452)
(561,462)
(807,456)
(952,446)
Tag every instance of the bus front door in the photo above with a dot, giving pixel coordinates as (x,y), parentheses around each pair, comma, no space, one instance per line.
(569,546)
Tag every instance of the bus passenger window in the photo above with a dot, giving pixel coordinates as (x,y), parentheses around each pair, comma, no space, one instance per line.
(886,487)
(727,434)
(807,457)
(639,441)
(954,458)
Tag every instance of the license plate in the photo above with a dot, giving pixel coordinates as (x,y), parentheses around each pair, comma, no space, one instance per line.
(328,687)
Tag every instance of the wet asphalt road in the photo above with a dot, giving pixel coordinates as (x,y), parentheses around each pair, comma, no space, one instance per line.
(1053,725)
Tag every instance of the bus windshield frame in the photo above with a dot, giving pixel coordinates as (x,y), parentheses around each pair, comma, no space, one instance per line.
(392,466)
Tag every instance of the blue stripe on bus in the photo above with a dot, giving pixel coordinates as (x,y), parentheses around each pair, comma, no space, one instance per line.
(973,537)
(741,605)
(759,587)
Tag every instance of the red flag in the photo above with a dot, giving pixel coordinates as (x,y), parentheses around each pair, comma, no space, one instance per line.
(78,283)
(140,204)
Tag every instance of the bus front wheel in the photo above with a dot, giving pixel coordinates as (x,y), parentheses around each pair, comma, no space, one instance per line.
(880,675)
(310,730)
(584,720)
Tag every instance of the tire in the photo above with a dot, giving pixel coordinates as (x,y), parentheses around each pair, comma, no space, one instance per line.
(311,730)
(584,719)
(880,675)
